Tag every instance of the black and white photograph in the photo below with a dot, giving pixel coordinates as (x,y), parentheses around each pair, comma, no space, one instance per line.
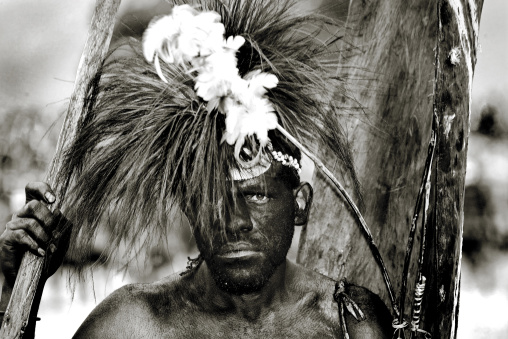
(254,169)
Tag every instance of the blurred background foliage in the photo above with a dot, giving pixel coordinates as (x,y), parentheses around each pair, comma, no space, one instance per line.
(26,146)
(41,43)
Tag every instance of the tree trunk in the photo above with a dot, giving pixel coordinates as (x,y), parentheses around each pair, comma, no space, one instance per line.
(397,63)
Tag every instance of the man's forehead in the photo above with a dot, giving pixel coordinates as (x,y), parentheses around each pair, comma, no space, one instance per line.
(270,177)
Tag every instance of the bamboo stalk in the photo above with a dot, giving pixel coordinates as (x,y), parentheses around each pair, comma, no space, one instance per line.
(28,287)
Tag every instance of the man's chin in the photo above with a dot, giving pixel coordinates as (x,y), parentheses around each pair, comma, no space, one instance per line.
(237,280)
(240,286)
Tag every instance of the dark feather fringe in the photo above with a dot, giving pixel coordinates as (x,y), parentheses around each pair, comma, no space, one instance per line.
(145,149)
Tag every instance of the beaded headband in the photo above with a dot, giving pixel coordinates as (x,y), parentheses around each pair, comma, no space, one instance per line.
(287,160)
(264,164)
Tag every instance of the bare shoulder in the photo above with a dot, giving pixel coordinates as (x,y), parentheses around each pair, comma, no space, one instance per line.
(133,311)
(377,322)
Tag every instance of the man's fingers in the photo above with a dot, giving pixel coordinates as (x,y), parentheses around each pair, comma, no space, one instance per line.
(31,227)
(26,240)
(40,212)
(39,191)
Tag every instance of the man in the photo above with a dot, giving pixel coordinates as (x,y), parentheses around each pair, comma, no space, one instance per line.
(244,288)
(201,133)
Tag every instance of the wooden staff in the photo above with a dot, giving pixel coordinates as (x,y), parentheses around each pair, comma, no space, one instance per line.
(456,48)
(25,298)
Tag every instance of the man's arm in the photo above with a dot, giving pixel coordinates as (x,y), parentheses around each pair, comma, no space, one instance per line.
(104,320)
(377,323)
(123,314)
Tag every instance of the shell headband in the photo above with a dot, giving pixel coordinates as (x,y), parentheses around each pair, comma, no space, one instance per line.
(195,41)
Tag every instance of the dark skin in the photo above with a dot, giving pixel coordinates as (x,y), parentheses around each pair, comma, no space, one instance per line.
(33,228)
(245,288)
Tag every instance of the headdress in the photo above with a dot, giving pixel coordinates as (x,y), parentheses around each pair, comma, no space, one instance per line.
(165,137)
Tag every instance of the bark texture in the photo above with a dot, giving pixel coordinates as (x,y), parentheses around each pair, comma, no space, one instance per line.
(396,60)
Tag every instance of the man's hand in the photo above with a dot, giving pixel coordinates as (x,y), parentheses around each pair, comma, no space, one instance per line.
(36,229)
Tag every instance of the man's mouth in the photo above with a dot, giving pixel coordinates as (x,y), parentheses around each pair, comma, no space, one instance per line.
(239,250)
(238,254)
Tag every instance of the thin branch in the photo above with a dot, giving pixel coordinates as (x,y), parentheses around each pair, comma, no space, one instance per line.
(373,247)
(418,205)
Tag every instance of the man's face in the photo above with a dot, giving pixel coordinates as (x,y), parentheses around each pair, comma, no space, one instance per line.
(259,234)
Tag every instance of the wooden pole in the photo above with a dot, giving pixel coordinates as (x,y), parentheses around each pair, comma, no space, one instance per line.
(456,48)
(27,290)
(389,62)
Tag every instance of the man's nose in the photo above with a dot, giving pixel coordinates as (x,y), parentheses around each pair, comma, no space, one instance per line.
(240,221)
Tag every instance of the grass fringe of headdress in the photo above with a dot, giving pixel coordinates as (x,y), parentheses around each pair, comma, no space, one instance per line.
(145,148)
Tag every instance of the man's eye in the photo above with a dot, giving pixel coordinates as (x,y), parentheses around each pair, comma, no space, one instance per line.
(257,198)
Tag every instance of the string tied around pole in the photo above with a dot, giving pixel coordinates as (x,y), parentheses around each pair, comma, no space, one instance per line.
(399,328)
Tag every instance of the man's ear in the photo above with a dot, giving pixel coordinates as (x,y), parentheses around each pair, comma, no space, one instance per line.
(303,201)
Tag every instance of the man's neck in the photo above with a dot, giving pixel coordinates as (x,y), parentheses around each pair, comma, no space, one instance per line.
(251,305)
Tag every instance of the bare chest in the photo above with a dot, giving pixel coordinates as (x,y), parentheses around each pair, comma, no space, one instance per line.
(292,323)
(304,328)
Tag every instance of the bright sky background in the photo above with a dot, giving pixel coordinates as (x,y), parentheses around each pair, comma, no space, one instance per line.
(41,43)
(490,83)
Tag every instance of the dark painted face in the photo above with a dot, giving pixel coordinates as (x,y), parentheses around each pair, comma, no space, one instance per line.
(259,234)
